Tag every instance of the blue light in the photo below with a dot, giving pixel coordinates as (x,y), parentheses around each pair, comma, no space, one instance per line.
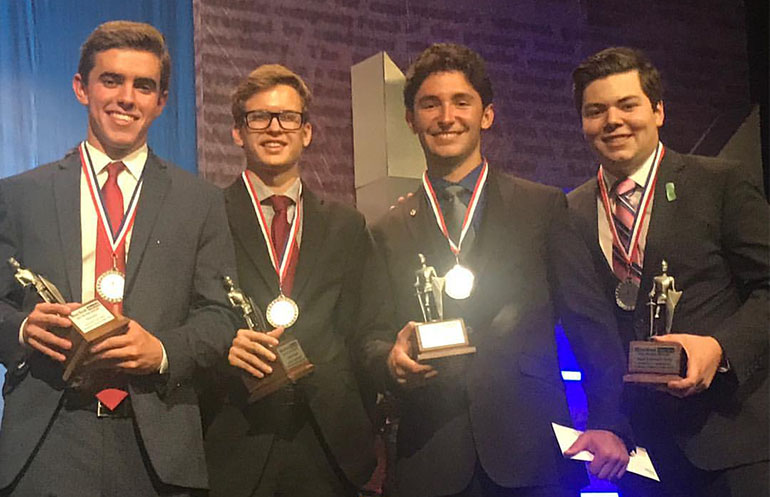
(599,494)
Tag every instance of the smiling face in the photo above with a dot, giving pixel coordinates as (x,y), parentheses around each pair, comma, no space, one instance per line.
(448,117)
(620,123)
(274,150)
(123,98)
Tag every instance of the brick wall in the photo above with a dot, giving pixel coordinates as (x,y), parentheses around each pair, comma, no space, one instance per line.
(530,47)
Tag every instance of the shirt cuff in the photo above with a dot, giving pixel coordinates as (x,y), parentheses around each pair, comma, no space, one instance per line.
(163,363)
(21,331)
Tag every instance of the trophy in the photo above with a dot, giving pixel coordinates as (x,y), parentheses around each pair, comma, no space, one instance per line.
(651,362)
(91,322)
(292,364)
(435,337)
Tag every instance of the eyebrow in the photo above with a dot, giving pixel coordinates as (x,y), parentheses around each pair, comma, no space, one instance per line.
(455,96)
(148,82)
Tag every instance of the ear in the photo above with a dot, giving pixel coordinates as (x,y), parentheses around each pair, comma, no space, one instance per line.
(488,116)
(236,134)
(80,89)
(162,99)
(307,134)
(660,114)
(409,116)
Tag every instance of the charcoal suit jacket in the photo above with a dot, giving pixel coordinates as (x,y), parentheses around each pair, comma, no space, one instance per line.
(180,246)
(714,233)
(498,406)
(334,245)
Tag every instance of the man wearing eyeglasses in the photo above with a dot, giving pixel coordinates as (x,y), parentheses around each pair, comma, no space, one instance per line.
(312,437)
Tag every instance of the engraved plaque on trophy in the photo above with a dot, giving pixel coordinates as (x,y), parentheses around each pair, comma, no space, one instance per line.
(91,321)
(435,337)
(657,363)
(291,364)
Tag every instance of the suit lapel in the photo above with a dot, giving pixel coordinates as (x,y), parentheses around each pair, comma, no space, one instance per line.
(661,227)
(245,228)
(155,185)
(314,227)
(421,224)
(66,189)
(499,212)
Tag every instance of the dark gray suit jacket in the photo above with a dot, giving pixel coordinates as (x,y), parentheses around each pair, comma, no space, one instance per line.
(180,247)
(531,269)
(715,236)
(335,244)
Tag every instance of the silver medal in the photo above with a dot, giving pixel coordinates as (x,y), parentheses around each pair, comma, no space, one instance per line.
(625,295)
(110,286)
(282,311)
(458,282)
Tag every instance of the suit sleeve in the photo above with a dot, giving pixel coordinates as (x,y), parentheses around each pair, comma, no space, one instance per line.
(10,292)
(746,245)
(588,322)
(203,340)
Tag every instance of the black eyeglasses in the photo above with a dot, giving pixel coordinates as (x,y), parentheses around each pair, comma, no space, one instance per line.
(258,120)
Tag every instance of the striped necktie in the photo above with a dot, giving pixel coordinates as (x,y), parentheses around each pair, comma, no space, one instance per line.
(623,215)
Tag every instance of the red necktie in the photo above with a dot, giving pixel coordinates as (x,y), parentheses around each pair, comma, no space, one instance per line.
(279,231)
(113,204)
(623,216)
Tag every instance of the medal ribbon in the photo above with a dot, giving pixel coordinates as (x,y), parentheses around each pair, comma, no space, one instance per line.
(469,212)
(641,211)
(281,267)
(96,197)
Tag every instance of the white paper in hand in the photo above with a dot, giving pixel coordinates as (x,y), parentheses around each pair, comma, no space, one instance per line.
(639,462)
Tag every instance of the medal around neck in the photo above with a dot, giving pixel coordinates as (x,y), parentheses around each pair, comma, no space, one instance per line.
(282,311)
(292,363)
(458,282)
(91,322)
(110,286)
(435,337)
(657,363)
(626,293)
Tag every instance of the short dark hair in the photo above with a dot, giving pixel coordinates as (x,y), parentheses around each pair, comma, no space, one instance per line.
(265,77)
(443,57)
(616,60)
(125,34)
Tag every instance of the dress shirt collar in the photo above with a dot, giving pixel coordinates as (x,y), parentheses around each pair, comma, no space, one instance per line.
(134,161)
(263,191)
(468,182)
(639,176)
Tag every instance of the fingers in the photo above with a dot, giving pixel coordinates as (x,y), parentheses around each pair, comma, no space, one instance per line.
(251,351)
(46,342)
(610,455)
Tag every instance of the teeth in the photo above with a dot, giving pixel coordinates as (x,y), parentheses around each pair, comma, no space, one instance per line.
(122,117)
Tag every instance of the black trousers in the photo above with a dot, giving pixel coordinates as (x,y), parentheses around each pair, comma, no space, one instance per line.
(81,455)
(481,485)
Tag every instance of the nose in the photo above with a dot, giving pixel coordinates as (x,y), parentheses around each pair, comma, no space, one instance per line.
(613,118)
(126,95)
(274,127)
(447,116)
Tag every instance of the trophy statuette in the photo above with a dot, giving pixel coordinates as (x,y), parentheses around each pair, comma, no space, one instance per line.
(651,362)
(91,322)
(435,337)
(292,364)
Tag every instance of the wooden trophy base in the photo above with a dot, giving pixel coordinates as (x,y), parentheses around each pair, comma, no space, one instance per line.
(91,323)
(439,339)
(292,364)
(655,363)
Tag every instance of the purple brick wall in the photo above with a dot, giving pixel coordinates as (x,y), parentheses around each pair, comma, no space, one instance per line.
(530,46)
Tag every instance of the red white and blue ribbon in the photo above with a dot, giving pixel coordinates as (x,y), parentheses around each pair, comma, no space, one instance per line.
(455,247)
(281,267)
(116,240)
(641,211)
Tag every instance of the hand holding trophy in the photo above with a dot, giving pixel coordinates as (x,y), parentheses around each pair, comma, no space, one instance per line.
(652,362)
(288,362)
(90,322)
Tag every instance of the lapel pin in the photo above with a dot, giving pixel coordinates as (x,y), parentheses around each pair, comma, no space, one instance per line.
(670,192)
(413,212)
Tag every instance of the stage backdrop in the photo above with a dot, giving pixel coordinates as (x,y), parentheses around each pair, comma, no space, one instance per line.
(40,119)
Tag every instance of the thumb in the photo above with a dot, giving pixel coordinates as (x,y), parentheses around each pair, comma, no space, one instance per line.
(276,333)
(580,444)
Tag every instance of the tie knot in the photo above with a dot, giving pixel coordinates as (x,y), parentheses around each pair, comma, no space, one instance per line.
(280,202)
(624,187)
(453,192)
(113,169)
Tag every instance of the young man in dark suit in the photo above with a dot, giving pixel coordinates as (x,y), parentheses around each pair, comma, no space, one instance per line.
(130,424)
(486,430)
(312,438)
(706,218)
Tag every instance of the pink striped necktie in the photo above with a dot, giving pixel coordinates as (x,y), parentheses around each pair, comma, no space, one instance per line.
(623,215)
